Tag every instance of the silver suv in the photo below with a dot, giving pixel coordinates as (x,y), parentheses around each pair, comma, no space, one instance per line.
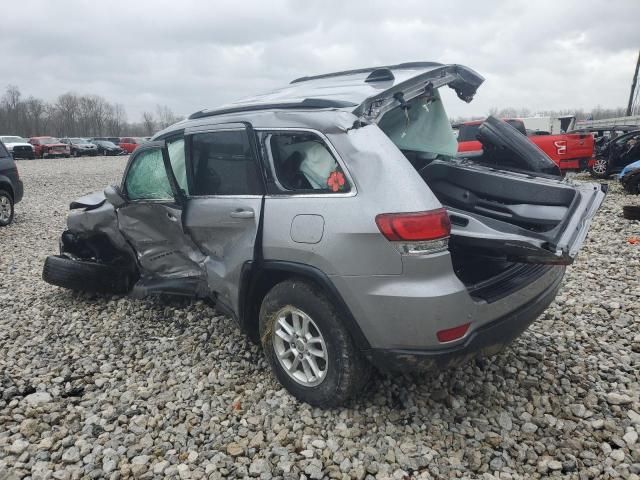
(334,222)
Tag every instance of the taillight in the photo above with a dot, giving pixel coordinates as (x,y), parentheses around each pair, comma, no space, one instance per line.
(417,232)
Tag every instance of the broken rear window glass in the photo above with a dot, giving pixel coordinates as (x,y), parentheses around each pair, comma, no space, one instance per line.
(147,178)
(424,127)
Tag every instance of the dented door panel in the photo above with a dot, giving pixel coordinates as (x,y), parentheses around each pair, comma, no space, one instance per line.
(163,250)
(225,229)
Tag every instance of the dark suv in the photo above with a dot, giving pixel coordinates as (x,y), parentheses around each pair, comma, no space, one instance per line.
(10,186)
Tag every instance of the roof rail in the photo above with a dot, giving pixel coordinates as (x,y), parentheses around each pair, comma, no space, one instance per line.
(306,103)
(369,69)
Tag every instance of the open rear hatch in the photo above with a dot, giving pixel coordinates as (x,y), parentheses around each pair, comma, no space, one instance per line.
(509,202)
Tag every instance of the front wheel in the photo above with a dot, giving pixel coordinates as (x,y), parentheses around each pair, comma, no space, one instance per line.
(600,168)
(6,208)
(310,351)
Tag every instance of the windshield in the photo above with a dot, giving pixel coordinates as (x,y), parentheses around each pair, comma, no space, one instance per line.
(423,128)
(13,140)
(49,140)
(104,143)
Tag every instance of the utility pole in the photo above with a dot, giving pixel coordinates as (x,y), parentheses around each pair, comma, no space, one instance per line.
(633,86)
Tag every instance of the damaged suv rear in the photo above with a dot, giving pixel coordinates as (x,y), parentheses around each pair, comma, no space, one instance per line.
(333,222)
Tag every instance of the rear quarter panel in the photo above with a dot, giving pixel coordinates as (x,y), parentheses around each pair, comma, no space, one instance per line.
(351,244)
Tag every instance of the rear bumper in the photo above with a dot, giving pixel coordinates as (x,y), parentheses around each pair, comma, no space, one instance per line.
(487,340)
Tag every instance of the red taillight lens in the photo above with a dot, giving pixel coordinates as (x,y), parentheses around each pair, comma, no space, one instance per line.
(415,227)
(454,333)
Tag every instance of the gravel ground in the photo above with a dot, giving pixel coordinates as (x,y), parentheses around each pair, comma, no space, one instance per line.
(111,387)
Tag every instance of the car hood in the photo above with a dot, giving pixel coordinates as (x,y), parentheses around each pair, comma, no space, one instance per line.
(88,201)
(368,93)
(630,168)
(17,144)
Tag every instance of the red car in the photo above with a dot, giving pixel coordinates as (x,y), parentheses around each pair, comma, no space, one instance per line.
(129,144)
(49,147)
(570,151)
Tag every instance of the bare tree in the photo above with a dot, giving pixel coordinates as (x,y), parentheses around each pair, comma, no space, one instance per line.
(117,120)
(36,111)
(148,123)
(11,104)
(67,109)
(165,116)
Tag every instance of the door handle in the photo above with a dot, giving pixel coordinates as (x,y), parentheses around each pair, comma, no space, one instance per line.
(242,214)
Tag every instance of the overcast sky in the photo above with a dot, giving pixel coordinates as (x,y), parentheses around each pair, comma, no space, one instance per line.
(195,54)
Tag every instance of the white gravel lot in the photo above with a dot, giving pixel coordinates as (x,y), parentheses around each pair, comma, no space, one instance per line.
(111,387)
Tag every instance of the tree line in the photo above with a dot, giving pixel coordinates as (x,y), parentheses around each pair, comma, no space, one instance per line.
(76,115)
(596,113)
(73,115)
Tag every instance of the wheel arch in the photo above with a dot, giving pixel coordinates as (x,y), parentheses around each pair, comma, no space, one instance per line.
(257,278)
(5,184)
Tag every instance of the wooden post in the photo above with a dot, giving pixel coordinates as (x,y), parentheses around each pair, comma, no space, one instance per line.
(633,87)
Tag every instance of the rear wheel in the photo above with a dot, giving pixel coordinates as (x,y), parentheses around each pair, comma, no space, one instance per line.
(6,208)
(85,276)
(600,168)
(309,350)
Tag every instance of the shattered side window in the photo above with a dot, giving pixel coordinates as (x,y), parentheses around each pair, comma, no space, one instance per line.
(176,157)
(147,178)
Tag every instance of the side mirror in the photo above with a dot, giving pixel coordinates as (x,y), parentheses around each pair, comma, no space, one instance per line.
(114,196)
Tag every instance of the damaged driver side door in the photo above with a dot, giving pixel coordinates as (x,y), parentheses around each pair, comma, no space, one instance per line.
(152,221)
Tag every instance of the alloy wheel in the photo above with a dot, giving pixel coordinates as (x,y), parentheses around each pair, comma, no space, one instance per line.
(300,347)
(5,208)
(600,166)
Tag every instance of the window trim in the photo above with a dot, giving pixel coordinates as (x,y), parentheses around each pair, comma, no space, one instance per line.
(291,194)
(237,127)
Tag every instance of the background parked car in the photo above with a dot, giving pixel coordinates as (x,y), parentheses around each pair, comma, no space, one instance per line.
(570,151)
(617,154)
(129,144)
(18,147)
(10,186)
(115,140)
(80,146)
(106,147)
(630,178)
(49,147)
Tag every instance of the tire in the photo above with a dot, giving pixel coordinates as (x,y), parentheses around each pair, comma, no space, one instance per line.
(631,212)
(632,186)
(600,168)
(337,379)
(85,276)
(6,208)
